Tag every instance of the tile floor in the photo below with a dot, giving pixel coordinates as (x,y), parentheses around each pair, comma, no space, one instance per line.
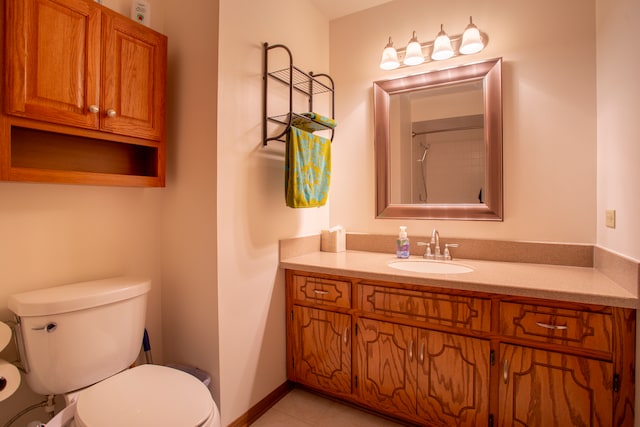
(300,408)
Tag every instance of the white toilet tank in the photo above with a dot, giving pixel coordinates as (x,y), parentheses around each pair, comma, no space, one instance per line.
(75,335)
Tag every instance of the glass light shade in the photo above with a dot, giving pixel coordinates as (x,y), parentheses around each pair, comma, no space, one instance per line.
(442,47)
(389,59)
(413,54)
(471,40)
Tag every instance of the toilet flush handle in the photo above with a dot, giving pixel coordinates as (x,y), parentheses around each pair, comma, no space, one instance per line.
(49,327)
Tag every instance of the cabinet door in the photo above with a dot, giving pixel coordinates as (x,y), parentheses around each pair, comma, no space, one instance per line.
(133,78)
(52,67)
(453,379)
(547,389)
(321,349)
(386,355)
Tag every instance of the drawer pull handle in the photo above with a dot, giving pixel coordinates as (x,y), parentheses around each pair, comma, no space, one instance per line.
(345,335)
(505,371)
(422,354)
(548,326)
(319,292)
(411,351)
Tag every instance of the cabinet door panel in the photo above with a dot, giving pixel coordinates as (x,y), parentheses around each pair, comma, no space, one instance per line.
(387,366)
(53,61)
(134,78)
(453,379)
(546,389)
(322,349)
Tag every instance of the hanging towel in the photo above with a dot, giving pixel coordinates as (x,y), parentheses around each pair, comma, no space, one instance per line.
(307,169)
(318,122)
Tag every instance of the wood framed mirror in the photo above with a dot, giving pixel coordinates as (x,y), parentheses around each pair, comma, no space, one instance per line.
(438,144)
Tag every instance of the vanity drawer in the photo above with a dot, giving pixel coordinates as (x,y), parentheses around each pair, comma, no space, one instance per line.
(434,308)
(569,327)
(336,293)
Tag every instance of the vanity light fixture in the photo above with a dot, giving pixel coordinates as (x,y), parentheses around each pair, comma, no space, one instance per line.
(443,47)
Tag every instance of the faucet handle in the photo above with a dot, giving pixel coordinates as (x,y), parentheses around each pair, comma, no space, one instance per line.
(447,253)
(427,252)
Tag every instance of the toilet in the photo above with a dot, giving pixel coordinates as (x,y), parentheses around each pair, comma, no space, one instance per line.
(80,341)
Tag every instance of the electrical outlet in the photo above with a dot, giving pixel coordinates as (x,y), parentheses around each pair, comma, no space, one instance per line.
(610,220)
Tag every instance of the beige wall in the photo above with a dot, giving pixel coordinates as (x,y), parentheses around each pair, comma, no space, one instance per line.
(252,215)
(189,293)
(549,112)
(618,125)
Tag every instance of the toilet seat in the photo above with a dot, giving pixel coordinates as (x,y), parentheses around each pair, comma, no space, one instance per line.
(147,395)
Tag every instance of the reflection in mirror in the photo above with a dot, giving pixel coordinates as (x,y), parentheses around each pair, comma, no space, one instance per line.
(438,139)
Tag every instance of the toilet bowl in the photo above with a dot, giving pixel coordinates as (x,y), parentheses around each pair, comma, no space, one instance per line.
(147,395)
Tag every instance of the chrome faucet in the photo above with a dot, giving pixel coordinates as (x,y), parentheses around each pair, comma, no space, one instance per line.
(435,241)
(436,254)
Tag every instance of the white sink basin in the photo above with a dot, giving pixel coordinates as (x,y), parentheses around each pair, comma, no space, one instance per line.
(429,266)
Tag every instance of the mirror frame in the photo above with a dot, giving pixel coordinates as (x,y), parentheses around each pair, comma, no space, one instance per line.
(491,73)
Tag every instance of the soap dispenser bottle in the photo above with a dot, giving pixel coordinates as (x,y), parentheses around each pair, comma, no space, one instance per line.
(402,244)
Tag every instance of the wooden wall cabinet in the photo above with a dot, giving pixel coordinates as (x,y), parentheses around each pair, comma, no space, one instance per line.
(78,72)
(440,357)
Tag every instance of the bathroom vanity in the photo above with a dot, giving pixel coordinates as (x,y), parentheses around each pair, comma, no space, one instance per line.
(508,344)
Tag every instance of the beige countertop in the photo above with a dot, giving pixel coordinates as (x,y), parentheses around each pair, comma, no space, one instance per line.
(576,284)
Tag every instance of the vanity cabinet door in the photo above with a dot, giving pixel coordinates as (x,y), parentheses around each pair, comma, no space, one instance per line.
(453,379)
(541,388)
(386,377)
(321,349)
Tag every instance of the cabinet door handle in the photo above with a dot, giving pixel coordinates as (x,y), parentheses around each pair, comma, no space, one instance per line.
(94,109)
(319,292)
(411,351)
(548,326)
(422,354)
(505,371)
(345,335)
(111,113)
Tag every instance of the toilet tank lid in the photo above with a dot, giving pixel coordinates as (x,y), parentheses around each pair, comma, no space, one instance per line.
(77,296)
